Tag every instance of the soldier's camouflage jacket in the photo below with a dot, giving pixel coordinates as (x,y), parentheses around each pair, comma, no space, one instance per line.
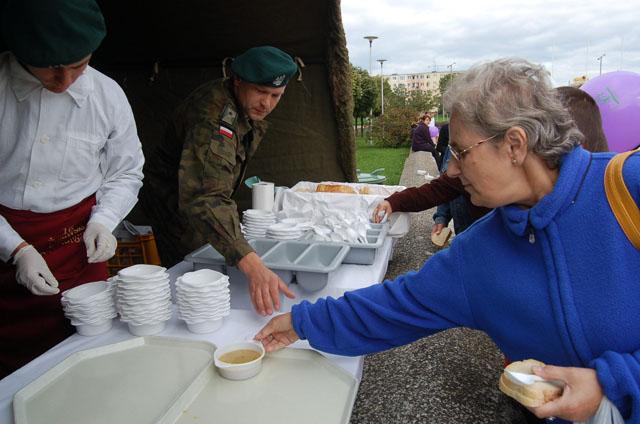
(197,169)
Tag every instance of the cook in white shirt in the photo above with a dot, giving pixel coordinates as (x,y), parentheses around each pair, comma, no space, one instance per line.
(71,167)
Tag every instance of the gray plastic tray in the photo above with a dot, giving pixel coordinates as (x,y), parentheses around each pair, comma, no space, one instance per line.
(364,253)
(310,262)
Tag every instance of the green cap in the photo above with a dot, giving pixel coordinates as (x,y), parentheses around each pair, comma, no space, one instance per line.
(45,33)
(264,65)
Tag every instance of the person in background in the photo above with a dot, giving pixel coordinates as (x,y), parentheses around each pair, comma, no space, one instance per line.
(448,194)
(586,114)
(421,138)
(535,274)
(192,176)
(71,169)
(443,144)
(414,125)
(458,209)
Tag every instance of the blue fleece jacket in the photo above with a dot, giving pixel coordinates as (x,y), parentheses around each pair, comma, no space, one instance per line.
(559,282)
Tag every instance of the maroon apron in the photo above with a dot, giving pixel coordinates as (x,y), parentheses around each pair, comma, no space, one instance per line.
(31,324)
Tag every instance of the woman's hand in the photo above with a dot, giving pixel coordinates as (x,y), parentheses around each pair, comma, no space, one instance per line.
(581,396)
(278,333)
(383,209)
(436,229)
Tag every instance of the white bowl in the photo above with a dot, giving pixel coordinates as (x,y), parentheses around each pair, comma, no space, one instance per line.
(94,329)
(258,212)
(204,326)
(146,329)
(86,292)
(142,271)
(239,371)
(202,277)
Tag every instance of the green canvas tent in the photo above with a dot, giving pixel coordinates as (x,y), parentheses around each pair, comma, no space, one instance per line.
(159,51)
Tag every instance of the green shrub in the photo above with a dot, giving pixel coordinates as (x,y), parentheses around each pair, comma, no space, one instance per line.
(393,129)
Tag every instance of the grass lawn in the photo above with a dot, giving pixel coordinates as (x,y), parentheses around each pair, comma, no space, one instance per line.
(369,158)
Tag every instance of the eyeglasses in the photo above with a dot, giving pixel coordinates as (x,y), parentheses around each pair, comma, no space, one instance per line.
(458,155)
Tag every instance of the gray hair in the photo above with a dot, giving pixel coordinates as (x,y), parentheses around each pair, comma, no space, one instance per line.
(495,96)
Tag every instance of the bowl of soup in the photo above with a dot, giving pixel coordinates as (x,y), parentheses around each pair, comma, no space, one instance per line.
(239,361)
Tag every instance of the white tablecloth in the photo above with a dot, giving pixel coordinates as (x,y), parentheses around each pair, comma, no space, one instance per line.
(242,324)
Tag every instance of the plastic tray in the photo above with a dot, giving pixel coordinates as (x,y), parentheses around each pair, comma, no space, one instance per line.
(169,380)
(364,253)
(142,380)
(310,262)
(313,391)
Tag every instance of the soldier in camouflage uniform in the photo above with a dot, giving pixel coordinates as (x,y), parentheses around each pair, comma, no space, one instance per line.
(191,178)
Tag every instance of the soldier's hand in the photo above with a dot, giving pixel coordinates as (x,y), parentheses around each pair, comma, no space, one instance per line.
(264,285)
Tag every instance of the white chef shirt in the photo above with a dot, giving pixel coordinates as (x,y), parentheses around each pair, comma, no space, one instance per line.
(58,149)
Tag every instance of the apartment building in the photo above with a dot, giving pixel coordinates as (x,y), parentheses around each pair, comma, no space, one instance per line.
(423,81)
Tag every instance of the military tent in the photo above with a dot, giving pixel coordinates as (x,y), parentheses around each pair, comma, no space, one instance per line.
(159,51)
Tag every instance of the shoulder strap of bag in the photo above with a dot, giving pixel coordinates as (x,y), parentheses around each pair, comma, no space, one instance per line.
(622,204)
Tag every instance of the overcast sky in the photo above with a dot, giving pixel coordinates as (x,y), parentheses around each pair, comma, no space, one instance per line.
(565,36)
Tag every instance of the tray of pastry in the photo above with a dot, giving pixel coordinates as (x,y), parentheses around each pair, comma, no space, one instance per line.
(362,189)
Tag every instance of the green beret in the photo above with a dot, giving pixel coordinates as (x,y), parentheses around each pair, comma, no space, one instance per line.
(45,33)
(264,65)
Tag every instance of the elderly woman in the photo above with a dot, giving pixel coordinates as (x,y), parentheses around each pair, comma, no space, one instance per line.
(548,275)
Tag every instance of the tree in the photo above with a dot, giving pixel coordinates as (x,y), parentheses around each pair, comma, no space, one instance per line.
(393,129)
(442,88)
(364,94)
(421,101)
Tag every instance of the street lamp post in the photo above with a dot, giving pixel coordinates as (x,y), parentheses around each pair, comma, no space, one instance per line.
(450,67)
(370,38)
(599,58)
(381,86)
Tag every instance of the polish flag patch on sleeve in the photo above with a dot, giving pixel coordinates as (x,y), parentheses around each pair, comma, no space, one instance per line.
(225,132)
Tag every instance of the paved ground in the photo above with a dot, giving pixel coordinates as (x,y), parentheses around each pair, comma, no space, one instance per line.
(451,377)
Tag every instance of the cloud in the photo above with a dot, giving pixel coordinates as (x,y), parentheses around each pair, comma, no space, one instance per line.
(565,36)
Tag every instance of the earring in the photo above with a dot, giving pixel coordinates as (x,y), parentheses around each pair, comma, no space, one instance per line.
(514,161)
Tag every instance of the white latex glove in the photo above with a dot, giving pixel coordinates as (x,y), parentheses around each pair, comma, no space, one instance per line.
(33,273)
(101,244)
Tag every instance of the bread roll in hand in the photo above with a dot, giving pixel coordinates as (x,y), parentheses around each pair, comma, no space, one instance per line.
(441,239)
(531,395)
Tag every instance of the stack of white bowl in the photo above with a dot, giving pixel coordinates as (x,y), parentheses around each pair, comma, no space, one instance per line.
(256,221)
(282,231)
(203,299)
(143,298)
(90,307)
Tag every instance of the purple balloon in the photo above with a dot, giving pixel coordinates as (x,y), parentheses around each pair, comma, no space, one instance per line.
(434,131)
(618,97)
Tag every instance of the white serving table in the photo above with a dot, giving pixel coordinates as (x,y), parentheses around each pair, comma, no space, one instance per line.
(241,324)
